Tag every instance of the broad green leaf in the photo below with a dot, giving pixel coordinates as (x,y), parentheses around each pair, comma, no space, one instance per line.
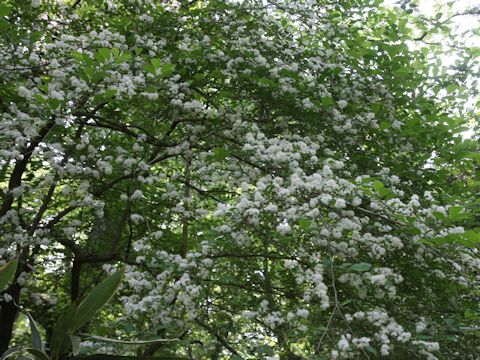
(385,125)
(327,101)
(384,192)
(264,349)
(110,93)
(471,239)
(75,340)
(361,267)
(36,337)
(103,55)
(123,57)
(38,354)
(115,51)
(5,10)
(59,343)
(380,188)
(221,153)
(266,82)
(77,55)
(150,68)
(7,273)
(451,88)
(40,98)
(156,63)
(96,299)
(455,213)
(11,351)
(304,224)
(167,69)
(439,215)
(377,185)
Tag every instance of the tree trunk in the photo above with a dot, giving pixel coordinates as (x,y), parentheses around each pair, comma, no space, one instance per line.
(75,285)
(8,315)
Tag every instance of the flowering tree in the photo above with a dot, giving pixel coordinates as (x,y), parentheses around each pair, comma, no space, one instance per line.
(278,179)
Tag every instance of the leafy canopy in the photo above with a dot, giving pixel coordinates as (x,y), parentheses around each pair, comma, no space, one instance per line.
(278,179)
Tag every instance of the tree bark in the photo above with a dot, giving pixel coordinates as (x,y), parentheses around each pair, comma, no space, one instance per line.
(8,315)
(75,285)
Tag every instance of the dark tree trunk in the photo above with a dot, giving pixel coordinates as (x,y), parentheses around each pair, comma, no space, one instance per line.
(75,285)
(8,315)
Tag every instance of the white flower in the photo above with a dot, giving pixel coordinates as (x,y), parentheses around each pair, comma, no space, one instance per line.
(343,344)
(290,264)
(342,104)
(340,203)
(137,194)
(356,201)
(284,229)
(136,218)
(303,313)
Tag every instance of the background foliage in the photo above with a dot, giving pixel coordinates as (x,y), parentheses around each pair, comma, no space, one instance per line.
(275,180)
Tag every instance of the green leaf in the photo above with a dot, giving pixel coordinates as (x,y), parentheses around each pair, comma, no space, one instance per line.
(7,273)
(384,192)
(266,82)
(109,93)
(75,340)
(123,57)
(167,69)
(77,55)
(115,51)
(380,188)
(225,94)
(105,52)
(11,351)
(38,354)
(150,68)
(304,224)
(385,125)
(59,343)
(4,25)
(156,63)
(451,88)
(456,213)
(40,98)
(221,153)
(103,55)
(361,267)
(96,299)
(5,10)
(327,101)
(36,337)
(264,349)
(377,185)
(470,238)
(439,215)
